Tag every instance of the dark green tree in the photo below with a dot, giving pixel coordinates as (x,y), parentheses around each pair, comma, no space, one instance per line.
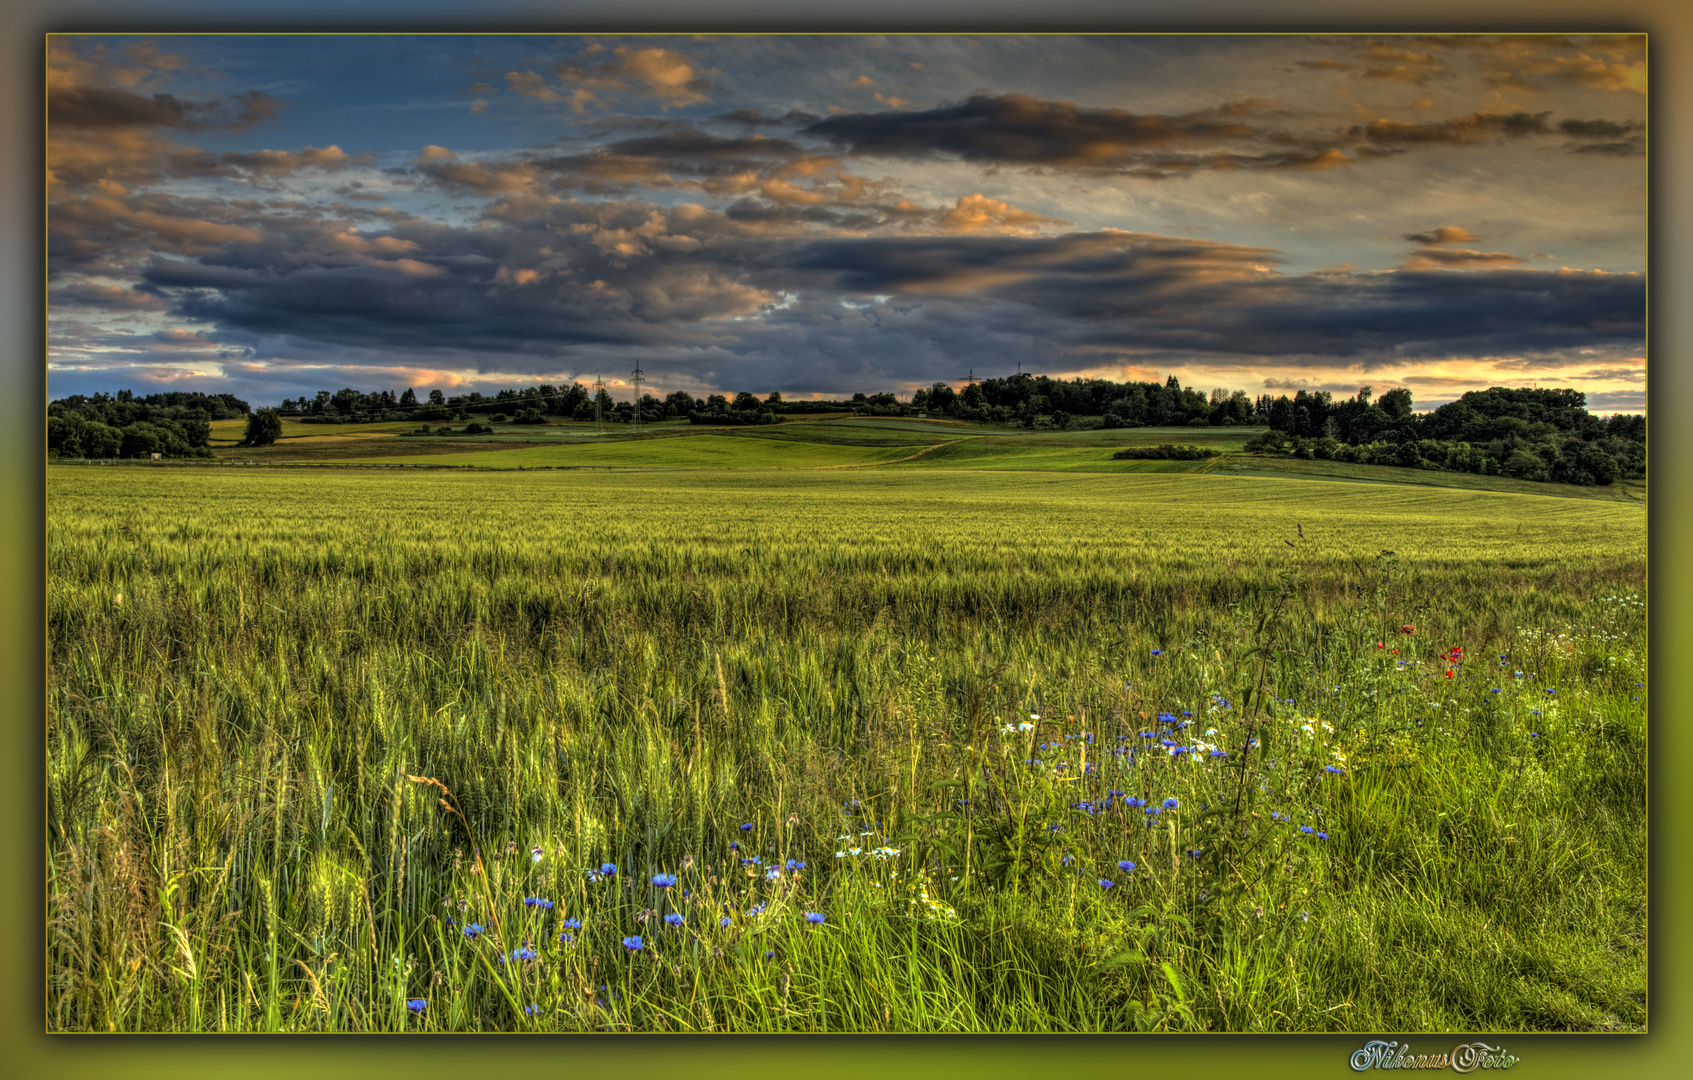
(263,428)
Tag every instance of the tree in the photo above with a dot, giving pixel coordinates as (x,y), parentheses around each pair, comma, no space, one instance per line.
(744,400)
(263,428)
(1396,403)
(437,398)
(409,397)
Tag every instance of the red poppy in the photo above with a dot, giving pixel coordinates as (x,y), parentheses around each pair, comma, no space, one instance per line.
(1381,644)
(1448,673)
(1407,629)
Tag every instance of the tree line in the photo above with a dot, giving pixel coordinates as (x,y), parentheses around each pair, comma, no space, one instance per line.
(171,424)
(1527,434)
(1029,400)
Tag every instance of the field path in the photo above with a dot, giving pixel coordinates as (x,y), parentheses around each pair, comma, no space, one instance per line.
(897,460)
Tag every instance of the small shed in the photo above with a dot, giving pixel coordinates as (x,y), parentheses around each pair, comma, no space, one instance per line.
(154,456)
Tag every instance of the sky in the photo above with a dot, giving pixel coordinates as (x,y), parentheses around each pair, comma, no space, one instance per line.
(820,215)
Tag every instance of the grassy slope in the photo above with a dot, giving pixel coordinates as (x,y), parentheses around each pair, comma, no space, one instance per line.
(834,442)
(707,451)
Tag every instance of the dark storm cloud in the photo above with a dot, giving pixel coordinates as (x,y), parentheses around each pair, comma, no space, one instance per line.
(565,279)
(756,118)
(107,107)
(1463,129)
(1016,128)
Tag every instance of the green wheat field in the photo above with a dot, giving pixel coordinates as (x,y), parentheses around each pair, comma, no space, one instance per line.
(888,728)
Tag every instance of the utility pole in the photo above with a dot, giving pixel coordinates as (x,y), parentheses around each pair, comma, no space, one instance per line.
(636,382)
(599,388)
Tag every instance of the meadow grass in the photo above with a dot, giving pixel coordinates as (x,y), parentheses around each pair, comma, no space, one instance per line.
(314,739)
(693,452)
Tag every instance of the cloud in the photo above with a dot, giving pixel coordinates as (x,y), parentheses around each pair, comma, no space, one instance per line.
(1016,128)
(1459,259)
(1445,234)
(106,107)
(980,214)
(111,298)
(274,163)
(529,84)
(1635,374)
(540,284)
(1396,64)
(1459,130)
(657,73)
(1600,62)
(1615,401)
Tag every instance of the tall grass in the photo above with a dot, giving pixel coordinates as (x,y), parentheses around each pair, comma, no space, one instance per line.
(305,732)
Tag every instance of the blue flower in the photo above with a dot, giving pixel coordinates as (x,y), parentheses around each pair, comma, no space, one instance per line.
(814,917)
(725,921)
(1306,829)
(566,938)
(608,869)
(535,853)
(1106,883)
(473,931)
(570,924)
(1125,866)
(1333,769)
(633,944)
(746,826)
(770,954)
(1322,836)
(537,902)
(417,1005)
(1194,853)
(664,881)
(756,909)
(674,919)
(1157,652)
(531,1010)
(734,845)
(1170,804)
(792,865)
